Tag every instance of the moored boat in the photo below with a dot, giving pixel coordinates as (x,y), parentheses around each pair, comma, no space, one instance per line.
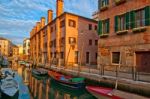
(9,88)
(39,72)
(72,82)
(102,92)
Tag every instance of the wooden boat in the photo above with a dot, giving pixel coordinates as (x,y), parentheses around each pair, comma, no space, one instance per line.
(39,72)
(75,83)
(7,72)
(102,92)
(9,88)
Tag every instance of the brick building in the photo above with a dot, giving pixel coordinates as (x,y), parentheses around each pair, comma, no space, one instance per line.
(124,30)
(67,39)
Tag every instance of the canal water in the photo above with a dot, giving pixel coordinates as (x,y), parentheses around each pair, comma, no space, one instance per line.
(46,88)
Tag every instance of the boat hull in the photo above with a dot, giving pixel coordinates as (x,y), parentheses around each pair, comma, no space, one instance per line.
(56,77)
(102,92)
(6,96)
(71,85)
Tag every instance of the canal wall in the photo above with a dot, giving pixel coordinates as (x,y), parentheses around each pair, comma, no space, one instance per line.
(124,86)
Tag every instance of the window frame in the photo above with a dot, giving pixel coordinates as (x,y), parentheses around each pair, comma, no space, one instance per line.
(113,63)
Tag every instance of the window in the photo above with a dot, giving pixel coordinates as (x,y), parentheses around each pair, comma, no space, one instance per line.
(90,26)
(72,40)
(96,56)
(122,22)
(72,23)
(61,55)
(90,42)
(102,3)
(115,57)
(96,42)
(140,18)
(62,23)
(96,27)
(62,41)
(54,43)
(55,55)
(51,29)
(103,27)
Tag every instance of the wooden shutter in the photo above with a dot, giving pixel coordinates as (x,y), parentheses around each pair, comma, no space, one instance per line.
(132,18)
(100,27)
(116,23)
(127,17)
(108,26)
(147,15)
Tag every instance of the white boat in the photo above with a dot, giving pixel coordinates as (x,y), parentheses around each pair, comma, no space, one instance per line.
(9,88)
(7,71)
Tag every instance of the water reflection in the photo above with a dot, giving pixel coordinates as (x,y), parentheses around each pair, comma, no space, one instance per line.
(46,88)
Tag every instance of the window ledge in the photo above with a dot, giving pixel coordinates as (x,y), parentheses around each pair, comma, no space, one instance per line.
(122,32)
(118,2)
(104,35)
(104,8)
(139,29)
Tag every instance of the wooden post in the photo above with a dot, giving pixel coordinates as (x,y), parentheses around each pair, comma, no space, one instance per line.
(117,73)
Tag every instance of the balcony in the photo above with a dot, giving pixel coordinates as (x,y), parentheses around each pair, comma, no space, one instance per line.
(122,32)
(118,2)
(103,8)
(139,29)
(104,35)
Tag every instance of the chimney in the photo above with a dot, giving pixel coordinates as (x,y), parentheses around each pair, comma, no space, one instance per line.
(50,16)
(60,6)
(42,22)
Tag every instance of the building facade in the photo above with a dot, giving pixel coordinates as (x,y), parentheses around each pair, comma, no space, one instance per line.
(69,39)
(26,46)
(15,50)
(5,47)
(124,30)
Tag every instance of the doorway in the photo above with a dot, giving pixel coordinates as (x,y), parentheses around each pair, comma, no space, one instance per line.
(143,61)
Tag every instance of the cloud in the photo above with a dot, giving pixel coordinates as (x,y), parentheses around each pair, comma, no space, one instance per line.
(17,17)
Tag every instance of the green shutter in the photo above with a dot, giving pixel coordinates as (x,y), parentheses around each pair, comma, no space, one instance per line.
(127,17)
(99,27)
(108,26)
(147,15)
(132,18)
(116,23)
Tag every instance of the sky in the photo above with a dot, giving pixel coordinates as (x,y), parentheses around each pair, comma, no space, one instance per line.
(17,17)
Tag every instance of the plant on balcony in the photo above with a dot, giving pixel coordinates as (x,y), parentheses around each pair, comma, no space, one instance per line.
(104,35)
(139,29)
(119,1)
(122,32)
(104,8)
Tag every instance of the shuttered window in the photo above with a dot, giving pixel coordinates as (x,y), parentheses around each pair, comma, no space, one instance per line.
(103,27)
(147,15)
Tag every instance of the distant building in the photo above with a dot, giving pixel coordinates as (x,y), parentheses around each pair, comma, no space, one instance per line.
(5,47)
(69,39)
(20,49)
(15,50)
(26,46)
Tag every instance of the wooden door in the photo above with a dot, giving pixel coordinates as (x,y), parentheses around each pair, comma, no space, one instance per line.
(143,61)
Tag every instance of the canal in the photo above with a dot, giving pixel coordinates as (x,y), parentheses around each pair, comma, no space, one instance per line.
(46,88)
